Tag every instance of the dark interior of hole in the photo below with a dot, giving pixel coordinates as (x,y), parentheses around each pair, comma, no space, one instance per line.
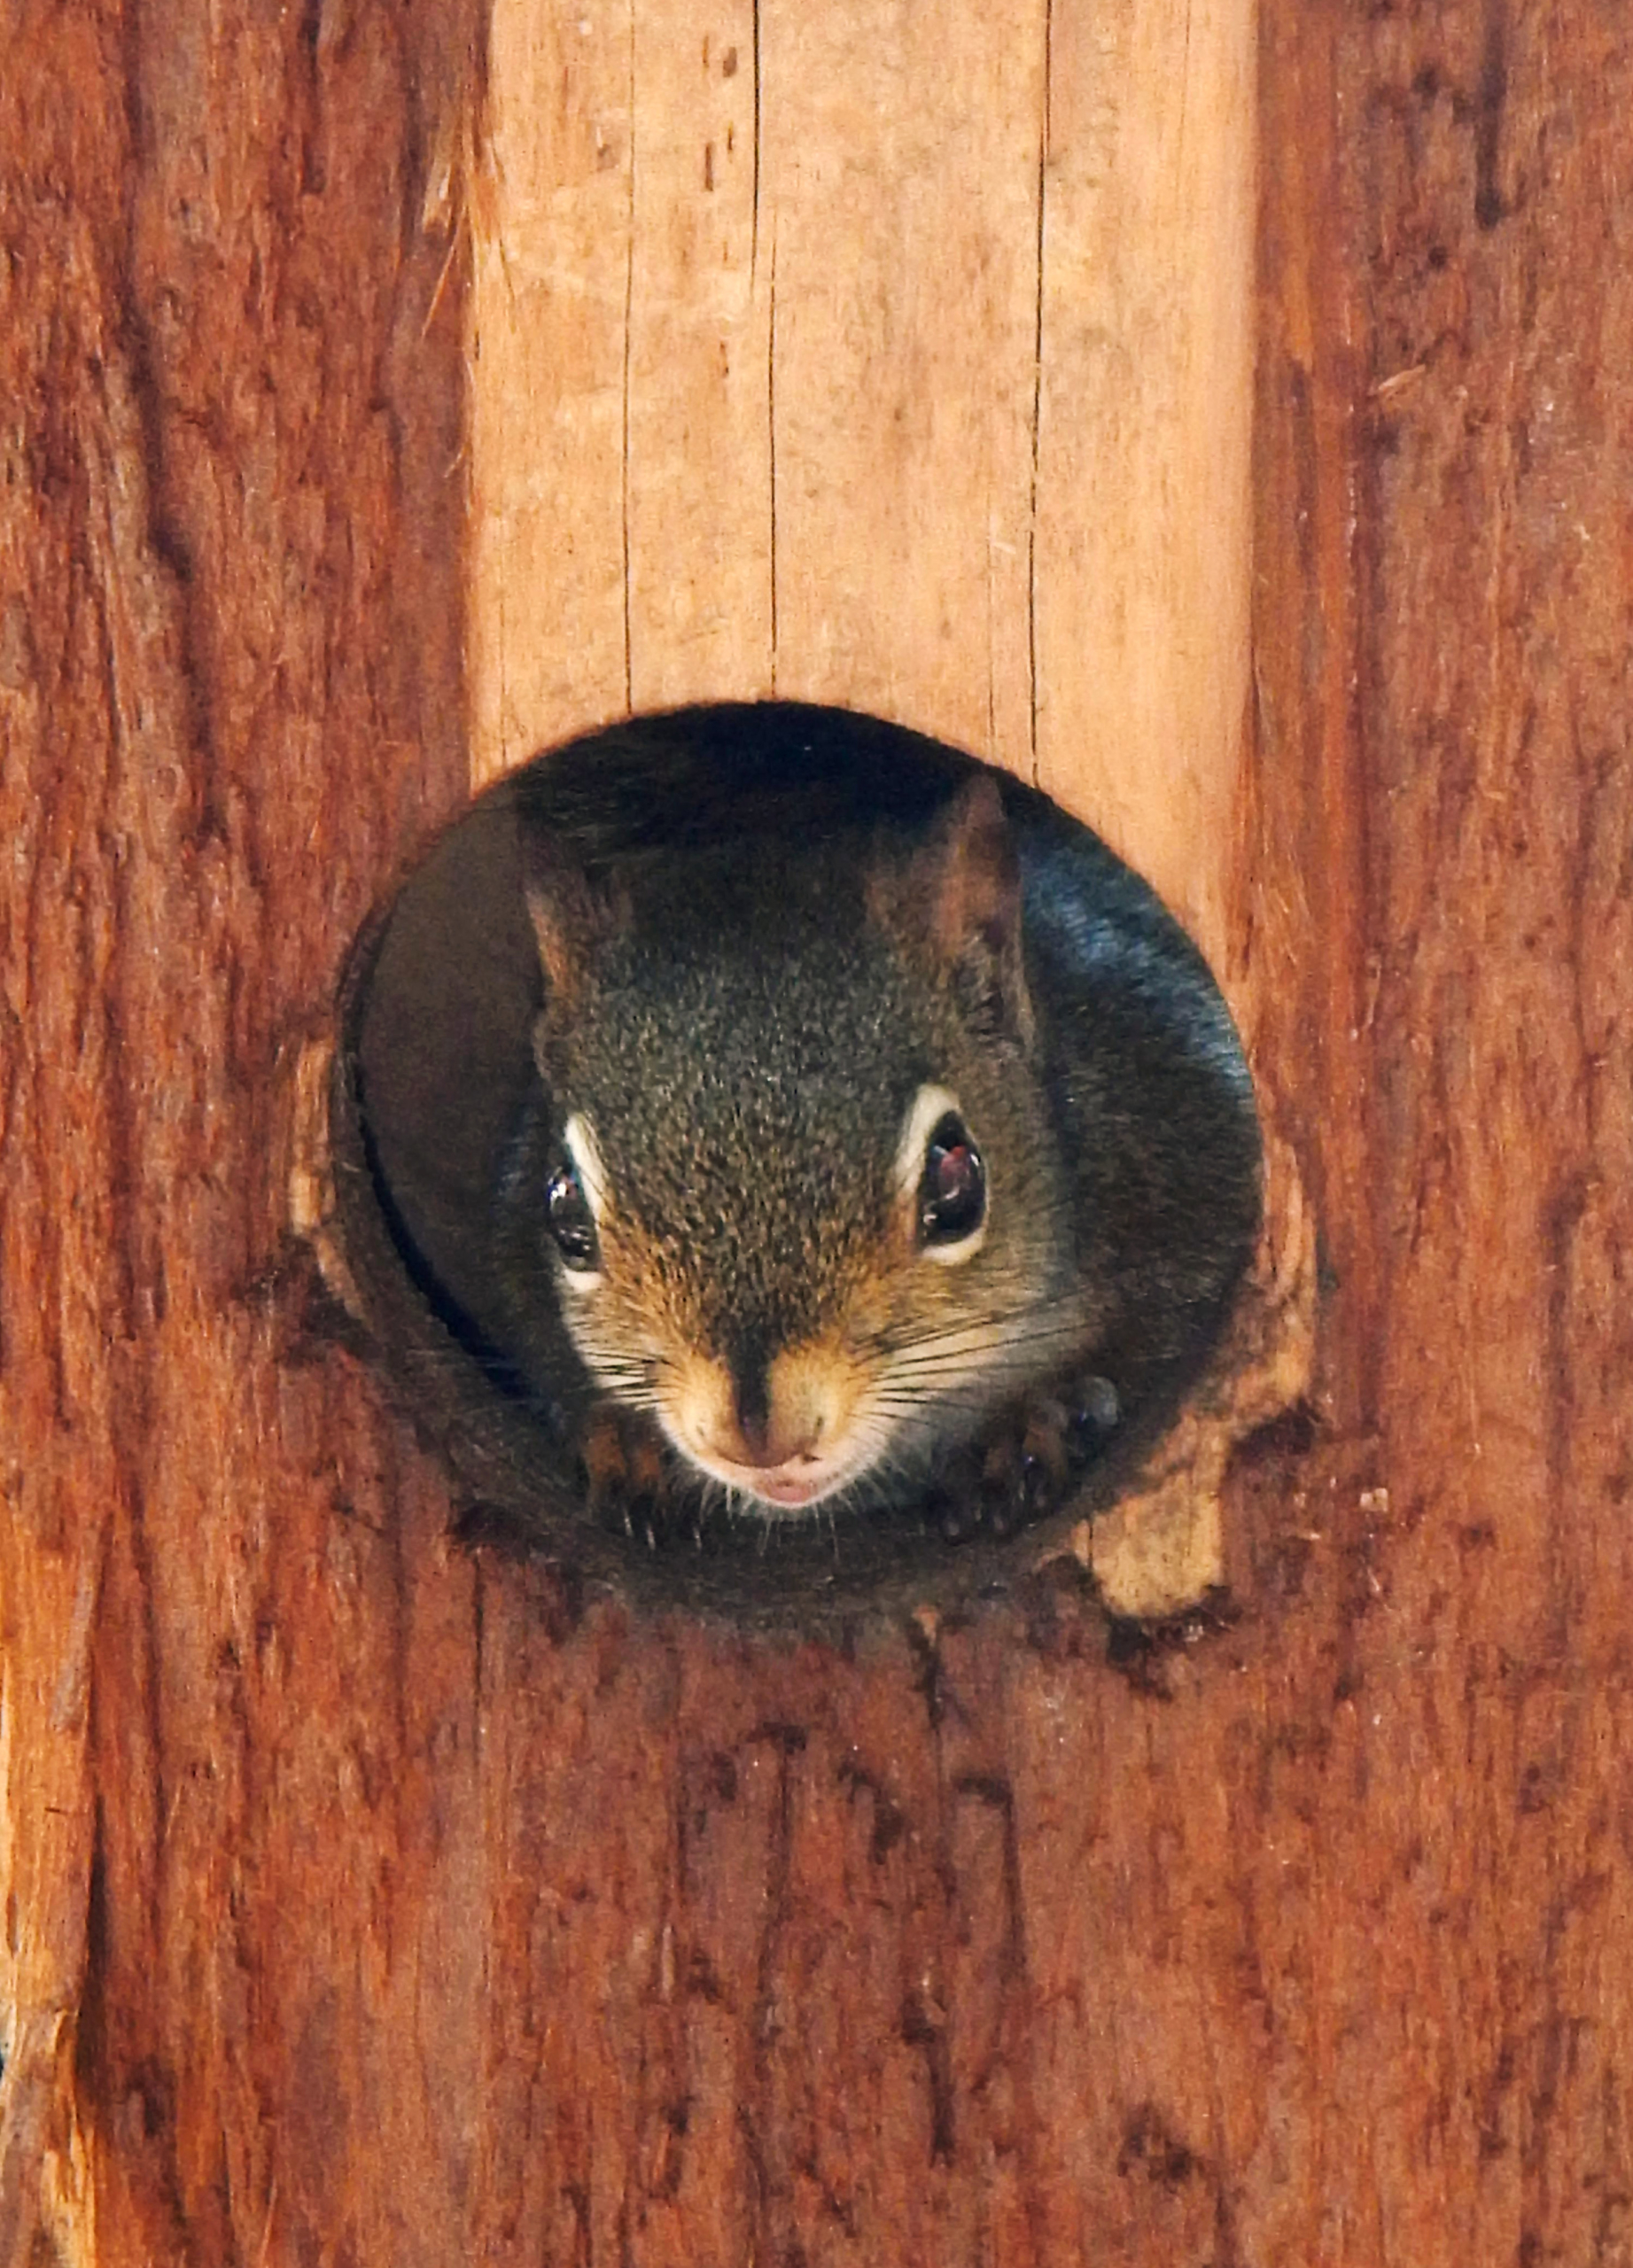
(439,1069)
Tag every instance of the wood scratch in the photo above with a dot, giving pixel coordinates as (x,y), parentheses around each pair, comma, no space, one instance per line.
(629,307)
(1036,437)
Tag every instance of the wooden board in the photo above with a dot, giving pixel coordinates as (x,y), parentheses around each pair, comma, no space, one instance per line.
(368,1898)
(892,357)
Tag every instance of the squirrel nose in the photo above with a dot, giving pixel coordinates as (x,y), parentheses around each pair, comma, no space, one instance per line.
(754,1438)
(750,1384)
(765,1437)
(764,1429)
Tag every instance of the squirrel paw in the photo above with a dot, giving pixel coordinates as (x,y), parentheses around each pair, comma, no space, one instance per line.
(628,1479)
(1028,1465)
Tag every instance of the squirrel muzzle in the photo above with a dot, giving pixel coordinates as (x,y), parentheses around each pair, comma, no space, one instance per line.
(783,1431)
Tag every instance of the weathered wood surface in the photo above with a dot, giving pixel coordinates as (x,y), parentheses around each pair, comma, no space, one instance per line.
(894,356)
(366,1903)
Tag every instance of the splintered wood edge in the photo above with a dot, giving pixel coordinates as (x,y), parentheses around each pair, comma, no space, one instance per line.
(314,1207)
(1160,1549)
(46,2186)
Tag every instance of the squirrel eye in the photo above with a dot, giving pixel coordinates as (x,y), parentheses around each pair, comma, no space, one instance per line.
(952,1192)
(571,1223)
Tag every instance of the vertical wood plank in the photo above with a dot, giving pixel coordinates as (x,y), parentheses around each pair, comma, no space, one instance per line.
(898,360)
(1142,569)
(548,626)
(698,470)
(232,421)
(902,170)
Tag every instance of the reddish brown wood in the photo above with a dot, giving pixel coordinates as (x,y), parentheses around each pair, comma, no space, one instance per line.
(1446,713)
(387,1908)
(230,701)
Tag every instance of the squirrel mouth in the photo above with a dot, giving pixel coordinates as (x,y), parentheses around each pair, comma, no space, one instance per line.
(789,1488)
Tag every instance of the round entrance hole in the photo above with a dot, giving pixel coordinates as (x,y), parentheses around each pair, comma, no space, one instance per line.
(786,1164)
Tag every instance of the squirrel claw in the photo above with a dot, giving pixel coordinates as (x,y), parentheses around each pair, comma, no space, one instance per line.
(1076,1429)
(626,1481)
(1096,1412)
(1029,1465)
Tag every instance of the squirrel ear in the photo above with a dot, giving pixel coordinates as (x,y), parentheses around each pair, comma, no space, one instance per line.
(573,914)
(959,895)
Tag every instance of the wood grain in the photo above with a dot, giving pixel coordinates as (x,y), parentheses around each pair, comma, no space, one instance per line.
(369,1899)
(228,430)
(870,354)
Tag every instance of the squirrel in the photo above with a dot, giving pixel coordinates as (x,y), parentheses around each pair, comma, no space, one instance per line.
(889,1145)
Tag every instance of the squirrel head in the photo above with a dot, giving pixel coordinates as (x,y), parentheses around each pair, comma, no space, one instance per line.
(803,1204)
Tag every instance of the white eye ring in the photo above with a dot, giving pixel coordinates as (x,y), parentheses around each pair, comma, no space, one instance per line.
(925,1113)
(583,1155)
